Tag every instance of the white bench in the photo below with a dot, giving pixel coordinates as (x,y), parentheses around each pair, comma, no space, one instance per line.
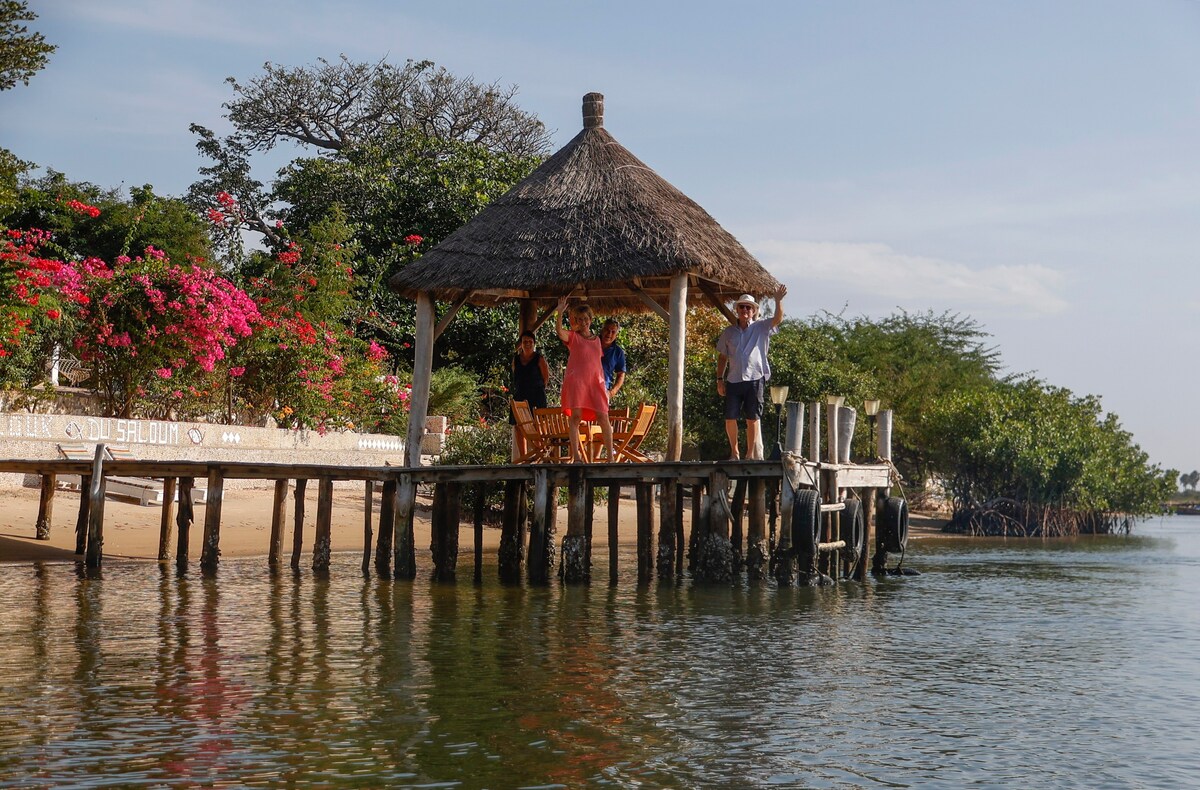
(146,491)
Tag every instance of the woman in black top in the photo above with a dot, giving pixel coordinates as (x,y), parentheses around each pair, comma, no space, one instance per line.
(530,374)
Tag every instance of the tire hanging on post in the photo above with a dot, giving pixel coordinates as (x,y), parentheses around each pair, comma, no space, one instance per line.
(893,521)
(854,530)
(806,523)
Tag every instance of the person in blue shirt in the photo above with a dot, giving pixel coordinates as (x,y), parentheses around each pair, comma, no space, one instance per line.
(742,369)
(612,359)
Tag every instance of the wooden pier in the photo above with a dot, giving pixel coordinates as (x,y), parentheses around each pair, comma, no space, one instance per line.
(799,521)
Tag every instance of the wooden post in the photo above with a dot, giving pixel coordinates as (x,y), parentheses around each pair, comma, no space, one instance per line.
(446,518)
(298,523)
(166,520)
(757,552)
(675,354)
(831,433)
(387,528)
(699,523)
(574,546)
(45,515)
(84,515)
(368,518)
(512,532)
(614,504)
(95,531)
(405,555)
(679,531)
(645,530)
(187,512)
(210,552)
(814,431)
(714,554)
(885,435)
(589,516)
(422,368)
(667,516)
(538,568)
(795,428)
(324,527)
(736,534)
(278,517)
(869,495)
(481,491)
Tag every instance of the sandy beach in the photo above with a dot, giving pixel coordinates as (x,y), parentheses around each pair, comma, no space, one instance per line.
(131,530)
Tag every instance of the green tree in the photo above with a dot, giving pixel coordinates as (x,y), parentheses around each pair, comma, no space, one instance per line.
(338,105)
(22,54)
(1027,457)
(913,360)
(88,221)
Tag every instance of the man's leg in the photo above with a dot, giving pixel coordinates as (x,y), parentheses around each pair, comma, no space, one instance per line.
(754,448)
(731,431)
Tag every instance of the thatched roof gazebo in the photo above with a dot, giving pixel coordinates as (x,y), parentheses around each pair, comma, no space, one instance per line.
(595,222)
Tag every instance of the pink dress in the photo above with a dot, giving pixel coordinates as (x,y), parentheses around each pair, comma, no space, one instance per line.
(583,389)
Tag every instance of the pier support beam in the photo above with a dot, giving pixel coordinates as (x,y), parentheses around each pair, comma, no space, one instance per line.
(387,528)
(94,553)
(45,516)
(447,514)
(278,519)
(575,567)
(541,530)
(298,523)
(668,529)
(757,550)
(405,554)
(714,554)
(166,519)
(324,527)
(644,493)
(183,522)
(513,531)
(210,552)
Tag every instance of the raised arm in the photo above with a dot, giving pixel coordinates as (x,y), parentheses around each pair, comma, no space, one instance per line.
(777,319)
(558,317)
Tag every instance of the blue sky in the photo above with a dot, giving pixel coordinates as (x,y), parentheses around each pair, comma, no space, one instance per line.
(1032,164)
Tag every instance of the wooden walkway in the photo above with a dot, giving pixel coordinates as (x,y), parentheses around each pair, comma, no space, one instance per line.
(744,516)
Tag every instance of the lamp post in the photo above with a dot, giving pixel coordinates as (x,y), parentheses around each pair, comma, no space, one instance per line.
(871,407)
(779,395)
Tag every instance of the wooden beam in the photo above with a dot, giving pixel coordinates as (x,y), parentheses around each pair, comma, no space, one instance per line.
(541,319)
(166,519)
(210,551)
(663,313)
(184,522)
(45,507)
(675,357)
(94,552)
(716,300)
(449,316)
(422,369)
(298,522)
(278,517)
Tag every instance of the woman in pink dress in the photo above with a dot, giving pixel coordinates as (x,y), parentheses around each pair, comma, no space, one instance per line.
(584,396)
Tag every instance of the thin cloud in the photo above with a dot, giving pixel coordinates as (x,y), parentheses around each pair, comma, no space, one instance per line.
(893,277)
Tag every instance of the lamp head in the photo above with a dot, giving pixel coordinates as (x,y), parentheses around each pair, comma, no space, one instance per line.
(835,400)
(871,407)
(779,394)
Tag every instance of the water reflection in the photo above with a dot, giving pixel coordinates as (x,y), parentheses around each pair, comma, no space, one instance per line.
(1006,662)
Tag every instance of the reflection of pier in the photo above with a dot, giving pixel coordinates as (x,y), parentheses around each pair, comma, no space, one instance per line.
(794,519)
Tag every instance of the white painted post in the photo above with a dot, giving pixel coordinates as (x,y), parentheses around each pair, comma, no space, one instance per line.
(678,338)
(795,427)
(814,431)
(422,368)
(885,435)
(831,433)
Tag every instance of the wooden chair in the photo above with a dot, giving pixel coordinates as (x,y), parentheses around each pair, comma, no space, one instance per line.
(537,448)
(555,426)
(627,442)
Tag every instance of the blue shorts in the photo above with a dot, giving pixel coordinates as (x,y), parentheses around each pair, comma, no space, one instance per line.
(744,399)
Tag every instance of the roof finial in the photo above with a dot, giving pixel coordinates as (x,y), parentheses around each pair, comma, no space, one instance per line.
(593,110)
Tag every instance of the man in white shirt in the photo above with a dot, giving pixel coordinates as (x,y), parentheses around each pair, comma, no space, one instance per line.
(743,370)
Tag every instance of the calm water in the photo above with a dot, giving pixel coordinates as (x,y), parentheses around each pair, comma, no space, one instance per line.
(1046,664)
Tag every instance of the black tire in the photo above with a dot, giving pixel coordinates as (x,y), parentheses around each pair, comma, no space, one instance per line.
(806,522)
(854,529)
(893,521)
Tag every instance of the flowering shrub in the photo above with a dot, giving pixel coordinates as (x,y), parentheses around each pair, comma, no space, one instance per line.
(35,294)
(305,366)
(154,331)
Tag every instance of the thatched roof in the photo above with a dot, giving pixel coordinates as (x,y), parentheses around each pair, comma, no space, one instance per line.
(593,220)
